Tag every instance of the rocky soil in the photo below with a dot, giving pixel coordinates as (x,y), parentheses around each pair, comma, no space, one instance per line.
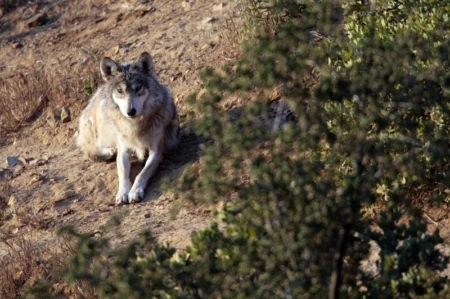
(46,181)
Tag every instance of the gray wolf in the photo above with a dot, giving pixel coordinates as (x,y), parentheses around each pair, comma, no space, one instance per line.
(130,114)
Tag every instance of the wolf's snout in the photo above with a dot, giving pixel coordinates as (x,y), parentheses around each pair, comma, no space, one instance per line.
(131,112)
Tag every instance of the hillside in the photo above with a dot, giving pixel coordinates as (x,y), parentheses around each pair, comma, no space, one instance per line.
(57,186)
(325,141)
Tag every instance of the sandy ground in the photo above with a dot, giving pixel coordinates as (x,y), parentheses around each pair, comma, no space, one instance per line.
(65,188)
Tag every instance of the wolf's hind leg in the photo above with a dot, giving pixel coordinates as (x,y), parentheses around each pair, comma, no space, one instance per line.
(105,154)
(87,139)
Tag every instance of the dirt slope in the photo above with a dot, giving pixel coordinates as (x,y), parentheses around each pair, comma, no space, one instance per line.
(64,188)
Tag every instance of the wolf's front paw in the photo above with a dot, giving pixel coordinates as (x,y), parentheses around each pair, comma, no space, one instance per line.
(121,197)
(136,195)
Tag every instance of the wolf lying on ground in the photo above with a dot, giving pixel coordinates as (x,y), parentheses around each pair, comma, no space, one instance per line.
(131,113)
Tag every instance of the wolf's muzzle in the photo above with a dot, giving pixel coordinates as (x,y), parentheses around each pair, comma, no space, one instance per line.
(131,112)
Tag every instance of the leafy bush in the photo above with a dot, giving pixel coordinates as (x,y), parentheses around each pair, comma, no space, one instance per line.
(267,15)
(373,130)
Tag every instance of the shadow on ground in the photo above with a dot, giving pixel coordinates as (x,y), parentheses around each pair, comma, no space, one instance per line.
(174,161)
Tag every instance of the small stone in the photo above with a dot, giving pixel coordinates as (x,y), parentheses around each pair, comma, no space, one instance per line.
(219,6)
(208,21)
(205,46)
(68,212)
(37,162)
(38,20)
(65,114)
(99,20)
(177,53)
(12,202)
(119,18)
(22,160)
(17,45)
(176,76)
(127,6)
(35,177)
(82,60)
(141,8)
(17,170)
(114,50)
(3,174)
(187,5)
(147,215)
(14,160)
(51,119)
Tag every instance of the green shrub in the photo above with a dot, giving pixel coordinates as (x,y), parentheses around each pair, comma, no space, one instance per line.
(267,15)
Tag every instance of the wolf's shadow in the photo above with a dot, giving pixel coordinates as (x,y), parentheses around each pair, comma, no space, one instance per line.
(188,150)
(173,163)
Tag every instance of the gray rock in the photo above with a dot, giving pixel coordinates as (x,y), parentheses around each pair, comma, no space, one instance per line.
(65,114)
(14,160)
(219,6)
(208,21)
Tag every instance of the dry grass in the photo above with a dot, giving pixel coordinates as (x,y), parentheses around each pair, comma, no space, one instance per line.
(27,216)
(233,35)
(78,10)
(26,94)
(257,15)
(23,264)
(3,208)
(27,266)
(5,193)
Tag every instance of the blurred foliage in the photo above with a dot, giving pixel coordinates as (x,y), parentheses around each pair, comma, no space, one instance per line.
(372,129)
(89,87)
(265,16)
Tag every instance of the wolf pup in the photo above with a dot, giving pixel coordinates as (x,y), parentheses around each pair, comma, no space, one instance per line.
(131,113)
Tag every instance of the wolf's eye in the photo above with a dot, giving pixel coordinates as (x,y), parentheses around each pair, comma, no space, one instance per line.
(138,88)
(119,90)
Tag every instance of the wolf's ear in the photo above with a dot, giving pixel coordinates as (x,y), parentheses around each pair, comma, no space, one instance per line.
(108,68)
(145,63)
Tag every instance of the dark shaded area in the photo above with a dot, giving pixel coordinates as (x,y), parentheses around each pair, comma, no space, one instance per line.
(7,6)
(187,152)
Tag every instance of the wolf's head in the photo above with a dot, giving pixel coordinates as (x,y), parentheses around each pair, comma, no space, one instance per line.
(129,83)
